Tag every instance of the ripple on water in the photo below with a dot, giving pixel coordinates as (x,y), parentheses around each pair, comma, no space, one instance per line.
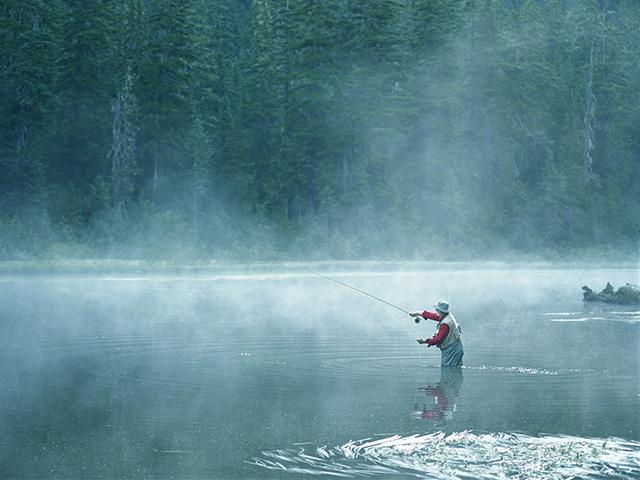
(626,316)
(285,357)
(530,370)
(464,455)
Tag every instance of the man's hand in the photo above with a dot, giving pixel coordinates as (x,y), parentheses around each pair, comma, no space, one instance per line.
(421,341)
(415,314)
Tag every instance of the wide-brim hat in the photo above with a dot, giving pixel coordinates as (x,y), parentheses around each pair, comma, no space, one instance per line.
(442,306)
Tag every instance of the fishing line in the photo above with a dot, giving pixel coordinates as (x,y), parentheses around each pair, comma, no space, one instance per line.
(372,296)
(400,325)
(362,292)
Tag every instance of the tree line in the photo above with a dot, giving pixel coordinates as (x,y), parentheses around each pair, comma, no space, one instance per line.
(264,129)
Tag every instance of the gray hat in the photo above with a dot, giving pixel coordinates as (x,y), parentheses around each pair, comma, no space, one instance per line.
(442,306)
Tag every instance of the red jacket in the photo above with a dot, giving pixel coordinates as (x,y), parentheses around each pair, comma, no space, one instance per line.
(443,331)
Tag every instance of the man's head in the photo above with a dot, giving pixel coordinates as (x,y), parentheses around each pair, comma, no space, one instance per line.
(442,307)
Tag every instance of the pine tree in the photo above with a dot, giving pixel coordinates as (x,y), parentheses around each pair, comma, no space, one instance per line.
(166,87)
(122,155)
(28,49)
(88,80)
(204,206)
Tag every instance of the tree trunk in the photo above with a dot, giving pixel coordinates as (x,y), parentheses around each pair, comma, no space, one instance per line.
(195,212)
(589,119)
(604,115)
(116,157)
(287,207)
(21,143)
(346,171)
(122,147)
(155,173)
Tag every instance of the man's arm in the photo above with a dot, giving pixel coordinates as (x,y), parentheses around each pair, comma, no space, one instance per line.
(439,337)
(427,315)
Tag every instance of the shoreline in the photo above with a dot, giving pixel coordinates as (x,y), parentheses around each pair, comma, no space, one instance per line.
(107,266)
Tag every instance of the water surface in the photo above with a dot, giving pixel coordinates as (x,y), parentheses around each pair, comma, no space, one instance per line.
(279,375)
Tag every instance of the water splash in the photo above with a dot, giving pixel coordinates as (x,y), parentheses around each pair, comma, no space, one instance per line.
(580,319)
(464,455)
(516,369)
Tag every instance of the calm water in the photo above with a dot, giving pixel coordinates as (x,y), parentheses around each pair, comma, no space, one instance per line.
(288,375)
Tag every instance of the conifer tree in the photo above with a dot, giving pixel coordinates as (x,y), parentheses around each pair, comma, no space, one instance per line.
(166,86)
(83,125)
(28,98)
(122,153)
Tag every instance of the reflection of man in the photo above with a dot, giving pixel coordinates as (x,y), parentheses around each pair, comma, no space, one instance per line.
(447,338)
(445,393)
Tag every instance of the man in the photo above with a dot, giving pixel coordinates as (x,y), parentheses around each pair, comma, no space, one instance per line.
(447,338)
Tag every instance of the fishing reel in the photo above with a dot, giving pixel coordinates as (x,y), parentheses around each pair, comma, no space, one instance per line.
(416,319)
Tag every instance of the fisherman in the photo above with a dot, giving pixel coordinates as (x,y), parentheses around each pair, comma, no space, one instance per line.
(447,337)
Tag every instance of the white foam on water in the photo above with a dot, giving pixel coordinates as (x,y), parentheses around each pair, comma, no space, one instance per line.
(560,313)
(583,319)
(615,316)
(525,370)
(464,455)
(279,363)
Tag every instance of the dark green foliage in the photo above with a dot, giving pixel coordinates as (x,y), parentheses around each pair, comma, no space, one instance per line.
(300,128)
(28,98)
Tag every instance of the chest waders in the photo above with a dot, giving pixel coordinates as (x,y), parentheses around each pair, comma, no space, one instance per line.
(451,347)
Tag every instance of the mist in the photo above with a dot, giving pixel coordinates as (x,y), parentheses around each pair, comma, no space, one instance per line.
(226,228)
(198,374)
(255,131)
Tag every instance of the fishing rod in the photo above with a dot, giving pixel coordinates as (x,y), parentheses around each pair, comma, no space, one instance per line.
(362,292)
(375,298)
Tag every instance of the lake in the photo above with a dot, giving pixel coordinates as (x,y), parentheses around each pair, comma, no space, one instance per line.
(284,374)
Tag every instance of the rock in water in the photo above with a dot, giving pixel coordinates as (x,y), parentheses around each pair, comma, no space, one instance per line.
(628,294)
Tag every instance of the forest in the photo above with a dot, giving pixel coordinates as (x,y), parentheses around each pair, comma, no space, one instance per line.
(255,130)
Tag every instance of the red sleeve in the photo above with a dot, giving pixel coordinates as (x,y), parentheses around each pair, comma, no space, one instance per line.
(431,316)
(439,337)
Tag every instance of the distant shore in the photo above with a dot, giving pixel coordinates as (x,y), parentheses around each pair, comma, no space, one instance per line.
(108,266)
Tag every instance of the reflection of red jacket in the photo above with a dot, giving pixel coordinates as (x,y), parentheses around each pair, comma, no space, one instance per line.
(443,331)
(438,394)
(445,394)
(441,400)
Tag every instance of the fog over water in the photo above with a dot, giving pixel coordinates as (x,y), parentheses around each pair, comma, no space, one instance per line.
(145,146)
(282,373)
